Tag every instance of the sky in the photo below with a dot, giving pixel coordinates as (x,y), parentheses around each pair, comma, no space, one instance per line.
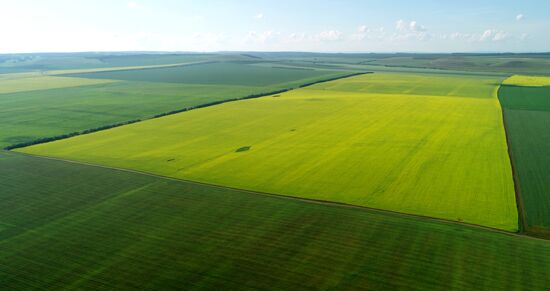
(276,25)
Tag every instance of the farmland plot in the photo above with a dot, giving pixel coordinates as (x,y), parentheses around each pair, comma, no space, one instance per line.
(527,113)
(214,73)
(435,151)
(84,227)
(34,106)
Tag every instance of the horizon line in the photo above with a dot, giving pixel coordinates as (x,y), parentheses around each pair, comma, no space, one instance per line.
(274,51)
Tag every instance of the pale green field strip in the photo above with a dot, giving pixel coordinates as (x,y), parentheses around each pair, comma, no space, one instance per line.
(21,82)
(529,81)
(418,84)
(124,68)
(416,70)
(404,147)
(32,83)
(76,104)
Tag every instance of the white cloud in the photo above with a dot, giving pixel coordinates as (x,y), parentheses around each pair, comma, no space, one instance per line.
(262,37)
(414,26)
(377,34)
(134,5)
(500,35)
(524,36)
(361,33)
(462,36)
(297,37)
(259,16)
(400,25)
(520,17)
(486,35)
(411,30)
(329,35)
(494,35)
(409,36)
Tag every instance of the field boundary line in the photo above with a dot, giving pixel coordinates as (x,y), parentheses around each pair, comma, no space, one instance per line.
(113,125)
(302,199)
(522,218)
(64,73)
(439,70)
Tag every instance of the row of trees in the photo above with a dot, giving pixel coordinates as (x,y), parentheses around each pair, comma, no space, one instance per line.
(220,102)
(67,135)
(63,136)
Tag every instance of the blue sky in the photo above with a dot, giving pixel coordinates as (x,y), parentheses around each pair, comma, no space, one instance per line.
(322,25)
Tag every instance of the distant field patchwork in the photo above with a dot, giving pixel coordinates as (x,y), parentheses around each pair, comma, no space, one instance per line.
(214,73)
(527,112)
(23,83)
(437,151)
(526,64)
(35,106)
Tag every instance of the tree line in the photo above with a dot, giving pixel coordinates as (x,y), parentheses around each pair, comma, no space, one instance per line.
(109,126)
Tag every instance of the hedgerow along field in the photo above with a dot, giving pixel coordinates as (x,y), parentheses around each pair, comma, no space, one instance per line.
(86,227)
(422,144)
(527,113)
(35,106)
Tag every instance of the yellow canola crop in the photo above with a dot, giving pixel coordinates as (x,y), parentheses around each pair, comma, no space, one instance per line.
(409,150)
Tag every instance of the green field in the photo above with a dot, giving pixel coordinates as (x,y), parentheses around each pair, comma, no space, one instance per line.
(23,83)
(420,144)
(418,84)
(214,73)
(422,135)
(504,63)
(498,63)
(67,61)
(35,106)
(84,227)
(527,81)
(527,112)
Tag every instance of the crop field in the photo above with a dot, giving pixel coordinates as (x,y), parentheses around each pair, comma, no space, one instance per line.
(63,61)
(434,151)
(25,116)
(215,73)
(398,179)
(532,64)
(85,227)
(527,81)
(34,106)
(24,83)
(418,84)
(527,112)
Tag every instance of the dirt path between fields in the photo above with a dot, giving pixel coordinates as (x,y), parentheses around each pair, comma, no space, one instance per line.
(523,227)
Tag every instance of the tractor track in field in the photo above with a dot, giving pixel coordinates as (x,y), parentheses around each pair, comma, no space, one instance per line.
(520,234)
